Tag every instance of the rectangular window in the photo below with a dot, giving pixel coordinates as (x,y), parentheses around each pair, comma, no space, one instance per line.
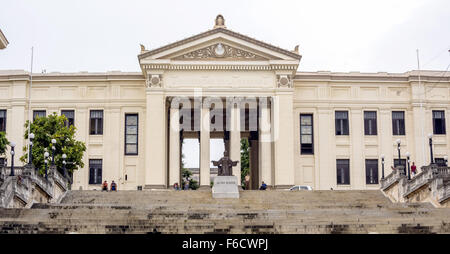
(439,161)
(306,134)
(131,134)
(96,122)
(343,171)
(398,123)
(39,113)
(371,171)
(2,121)
(438,122)
(70,115)
(341,121)
(370,123)
(95,171)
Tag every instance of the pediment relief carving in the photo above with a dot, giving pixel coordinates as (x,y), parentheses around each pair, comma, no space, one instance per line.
(219,51)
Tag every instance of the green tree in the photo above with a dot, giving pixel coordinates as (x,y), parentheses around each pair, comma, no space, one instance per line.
(53,127)
(3,142)
(245,160)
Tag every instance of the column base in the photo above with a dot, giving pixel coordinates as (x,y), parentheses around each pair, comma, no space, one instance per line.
(204,187)
(279,187)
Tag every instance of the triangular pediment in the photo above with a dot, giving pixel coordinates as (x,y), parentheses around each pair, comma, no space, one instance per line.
(218,44)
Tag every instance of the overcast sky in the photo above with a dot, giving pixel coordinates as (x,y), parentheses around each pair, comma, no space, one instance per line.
(366,36)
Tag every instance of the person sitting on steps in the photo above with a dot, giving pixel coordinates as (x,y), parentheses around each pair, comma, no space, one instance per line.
(113,186)
(263,186)
(105,186)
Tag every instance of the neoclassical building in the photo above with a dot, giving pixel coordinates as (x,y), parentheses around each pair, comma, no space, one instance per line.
(323,129)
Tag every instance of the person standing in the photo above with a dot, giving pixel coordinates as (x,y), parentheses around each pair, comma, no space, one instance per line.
(414,169)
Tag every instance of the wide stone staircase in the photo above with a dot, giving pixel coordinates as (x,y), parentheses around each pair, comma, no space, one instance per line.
(275,211)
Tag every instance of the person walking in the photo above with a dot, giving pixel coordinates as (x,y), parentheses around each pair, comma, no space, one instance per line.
(186,185)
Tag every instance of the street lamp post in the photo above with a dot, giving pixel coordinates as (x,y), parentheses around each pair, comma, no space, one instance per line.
(64,156)
(398,141)
(12,144)
(407,160)
(382,166)
(53,151)
(30,161)
(430,138)
(46,162)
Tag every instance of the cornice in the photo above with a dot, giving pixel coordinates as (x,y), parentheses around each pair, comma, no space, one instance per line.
(220,67)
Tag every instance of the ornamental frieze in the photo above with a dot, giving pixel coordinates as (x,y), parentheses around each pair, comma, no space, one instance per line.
(218,51)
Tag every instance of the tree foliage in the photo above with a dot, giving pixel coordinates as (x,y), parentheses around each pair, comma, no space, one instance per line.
(53,127)
(3,142)
(245,160)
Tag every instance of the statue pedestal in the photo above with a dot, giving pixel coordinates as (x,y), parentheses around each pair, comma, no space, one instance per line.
(225,187)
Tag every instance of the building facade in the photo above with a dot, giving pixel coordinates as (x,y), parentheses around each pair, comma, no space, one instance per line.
(323,129)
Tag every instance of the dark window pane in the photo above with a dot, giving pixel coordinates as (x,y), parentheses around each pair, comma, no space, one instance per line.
(398,123)
(95,171)
(438,122)
(371,171)
(438,161)
(343,171)
(131,134)
(341,122)
(2,121)
(370,122)
(70,115)
(306,134)
(39,113)
(96,122)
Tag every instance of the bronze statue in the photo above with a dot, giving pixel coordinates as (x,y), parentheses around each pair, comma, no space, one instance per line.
(225,165)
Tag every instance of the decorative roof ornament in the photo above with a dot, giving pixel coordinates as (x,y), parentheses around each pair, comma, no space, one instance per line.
(220,22)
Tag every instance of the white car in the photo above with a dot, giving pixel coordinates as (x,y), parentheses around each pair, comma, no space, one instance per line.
(301,187)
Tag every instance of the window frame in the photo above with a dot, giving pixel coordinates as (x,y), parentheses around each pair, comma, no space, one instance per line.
(345,123)
(368,122)
(312,134)
(401,131)
(346,177)
(68,120)
(96,173)
(137,134)
(96,122)
(442,123)
(39,110)
(3,129)
(373,162)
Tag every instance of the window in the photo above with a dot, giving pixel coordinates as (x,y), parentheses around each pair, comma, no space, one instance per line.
(343,171)
(131,134)
(96,122)
(402,163)
(70,115)
(438,122)
(39,113)
(2,121)
(439,161)
(370,123)
(341,122)
(371,171)
(95,171)
(398,123)
(306,134)
(2,162)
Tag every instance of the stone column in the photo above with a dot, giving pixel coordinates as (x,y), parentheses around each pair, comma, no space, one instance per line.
(174,146)
(284,139)
(155,139)
(235,141)
(357,165)
(265,146)
(205,163)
